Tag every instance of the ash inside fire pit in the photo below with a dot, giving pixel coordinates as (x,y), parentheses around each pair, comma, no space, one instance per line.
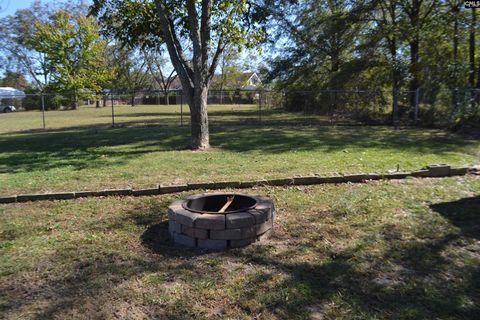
(221,220)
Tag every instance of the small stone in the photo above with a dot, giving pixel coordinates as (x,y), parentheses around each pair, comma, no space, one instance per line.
(265,235)
(242,242)
(212,244)
(115,192)
(195,232)
(459,171)
(203,185)
(260,216)
(173,188)
(439,170)
(145,192)
(210,221)
(171,227)
(264,227)
(8,199)
(186,217)
(184,240)
(239,220)
(233,234)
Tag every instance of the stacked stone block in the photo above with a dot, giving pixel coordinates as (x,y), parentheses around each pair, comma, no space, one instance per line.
(219,231)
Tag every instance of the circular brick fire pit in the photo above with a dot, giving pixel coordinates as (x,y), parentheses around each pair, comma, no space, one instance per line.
(220,220)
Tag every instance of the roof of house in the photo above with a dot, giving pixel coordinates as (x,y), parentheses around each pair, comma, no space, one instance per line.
(8,92)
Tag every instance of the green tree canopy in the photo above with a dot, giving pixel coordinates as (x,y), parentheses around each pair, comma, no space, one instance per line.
(76,53)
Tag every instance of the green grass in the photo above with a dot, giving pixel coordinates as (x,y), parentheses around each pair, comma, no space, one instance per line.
(81,154)
(388,249)
(162,115)
(383,250)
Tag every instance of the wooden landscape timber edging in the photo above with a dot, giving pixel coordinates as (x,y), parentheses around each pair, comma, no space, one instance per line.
(432,171)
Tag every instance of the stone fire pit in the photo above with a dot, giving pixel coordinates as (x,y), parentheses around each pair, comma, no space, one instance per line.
(220,220)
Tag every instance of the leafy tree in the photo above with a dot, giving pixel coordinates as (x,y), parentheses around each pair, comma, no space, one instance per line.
(157,67)
(131,73)
(15,80)
(195,34)
(75,52)
(16,52)
(418,13)
(229,71)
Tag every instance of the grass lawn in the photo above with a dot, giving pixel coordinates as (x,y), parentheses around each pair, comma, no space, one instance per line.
(165,115)
(148,149)
(405,249)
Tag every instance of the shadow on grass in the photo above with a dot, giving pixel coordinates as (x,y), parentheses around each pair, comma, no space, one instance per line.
(411,279)
(157,239)
(86,147)
(414,279)
(464,214)
(241,117)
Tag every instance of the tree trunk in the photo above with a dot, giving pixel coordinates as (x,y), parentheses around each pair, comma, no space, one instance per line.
(471,71)
(199,118)
(75,100)
(414,44)
(414,70)
(455,59)
(133,99)
(395,80)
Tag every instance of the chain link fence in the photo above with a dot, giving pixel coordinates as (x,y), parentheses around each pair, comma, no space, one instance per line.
(441,108)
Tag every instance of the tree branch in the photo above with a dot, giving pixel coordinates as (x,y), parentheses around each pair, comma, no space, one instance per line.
(174,48)
(218,52)
(205,30)
(194,33)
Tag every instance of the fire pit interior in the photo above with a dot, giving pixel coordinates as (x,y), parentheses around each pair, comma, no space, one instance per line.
(221,220)
(214,203)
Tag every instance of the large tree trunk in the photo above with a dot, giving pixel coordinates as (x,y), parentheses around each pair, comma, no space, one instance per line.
(471,71)
(395,79)
(75,100)
(195,74)
(455,11)
(199,118)
(414,44)
(414,70)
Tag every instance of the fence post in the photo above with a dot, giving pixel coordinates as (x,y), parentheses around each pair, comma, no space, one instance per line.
(305,107)
(113,112)
(260,106)
(395,107)
(43,110)
(331,106)
(181,108)
(415,112)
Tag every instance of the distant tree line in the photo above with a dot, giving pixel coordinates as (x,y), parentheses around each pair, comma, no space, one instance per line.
(368,57)
(394,47)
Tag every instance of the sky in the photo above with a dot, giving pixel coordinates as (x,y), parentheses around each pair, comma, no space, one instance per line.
(8,7)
